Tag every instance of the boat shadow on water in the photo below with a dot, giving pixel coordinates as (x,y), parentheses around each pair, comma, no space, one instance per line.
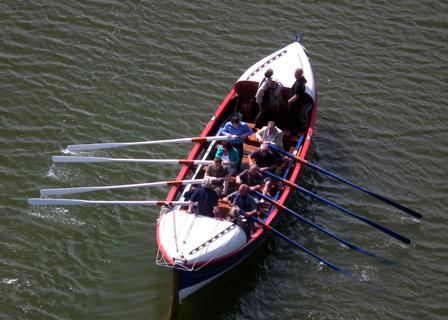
(226,293)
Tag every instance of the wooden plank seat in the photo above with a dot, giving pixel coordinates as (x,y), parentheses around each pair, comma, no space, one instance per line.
(288,138)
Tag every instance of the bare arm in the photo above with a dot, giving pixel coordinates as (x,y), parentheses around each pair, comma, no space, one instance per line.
(190,206)
(293,99)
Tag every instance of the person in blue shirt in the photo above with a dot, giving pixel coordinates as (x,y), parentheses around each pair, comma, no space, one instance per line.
(229,156)
(240,129)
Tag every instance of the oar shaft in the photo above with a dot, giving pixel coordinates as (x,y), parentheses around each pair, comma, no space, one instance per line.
(298,245)
(79,202)
(340,208)
(59,191)
(109,145)
(323,230)
(79,159)
(373,194)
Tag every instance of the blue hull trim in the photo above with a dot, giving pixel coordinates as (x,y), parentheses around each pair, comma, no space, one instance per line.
(188,279)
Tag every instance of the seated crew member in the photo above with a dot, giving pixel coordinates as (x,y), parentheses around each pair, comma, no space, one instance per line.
(240,129)
(219,176)
(270,134)
(229,156)
(252,178)
(206,198)
(245,202)
(266,160)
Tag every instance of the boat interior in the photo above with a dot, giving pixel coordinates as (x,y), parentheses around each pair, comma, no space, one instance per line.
(243,103)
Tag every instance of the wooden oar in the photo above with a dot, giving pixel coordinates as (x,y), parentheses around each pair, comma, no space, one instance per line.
(109,145)
(376,195)
(298,245)
(78,159)
(342,209)
(58,191)
(327,232)
(79,202)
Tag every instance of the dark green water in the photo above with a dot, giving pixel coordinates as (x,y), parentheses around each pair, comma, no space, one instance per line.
(80,72)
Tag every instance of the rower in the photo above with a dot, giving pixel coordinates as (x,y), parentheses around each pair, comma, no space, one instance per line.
(219,175)
(240,129)
(206,198)
(266,160)
(253,178)
(242,200)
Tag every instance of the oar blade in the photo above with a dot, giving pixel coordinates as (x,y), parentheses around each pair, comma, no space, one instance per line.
(110,145)
(94,146)
(340,208)
(81,159)
(76,159)
(335,176)
(397,205)
(316,226)
(60,191)
(298,245)
(73,190)
(80,202)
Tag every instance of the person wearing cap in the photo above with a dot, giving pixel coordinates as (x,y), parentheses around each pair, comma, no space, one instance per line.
(236,127)
(219,175)
(206,199)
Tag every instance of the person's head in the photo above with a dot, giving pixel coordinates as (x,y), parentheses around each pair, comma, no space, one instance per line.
(217,162)
(274,83)
(253,168)
(268,73)
(207,183)
(264,148)
(243,190)
(271,125)
(227,145)
(298,73)
(235,120)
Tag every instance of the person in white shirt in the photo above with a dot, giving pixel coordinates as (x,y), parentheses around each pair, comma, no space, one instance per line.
(265,84)
(270,134)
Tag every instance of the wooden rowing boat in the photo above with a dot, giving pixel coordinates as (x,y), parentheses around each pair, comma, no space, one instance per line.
(197,248)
